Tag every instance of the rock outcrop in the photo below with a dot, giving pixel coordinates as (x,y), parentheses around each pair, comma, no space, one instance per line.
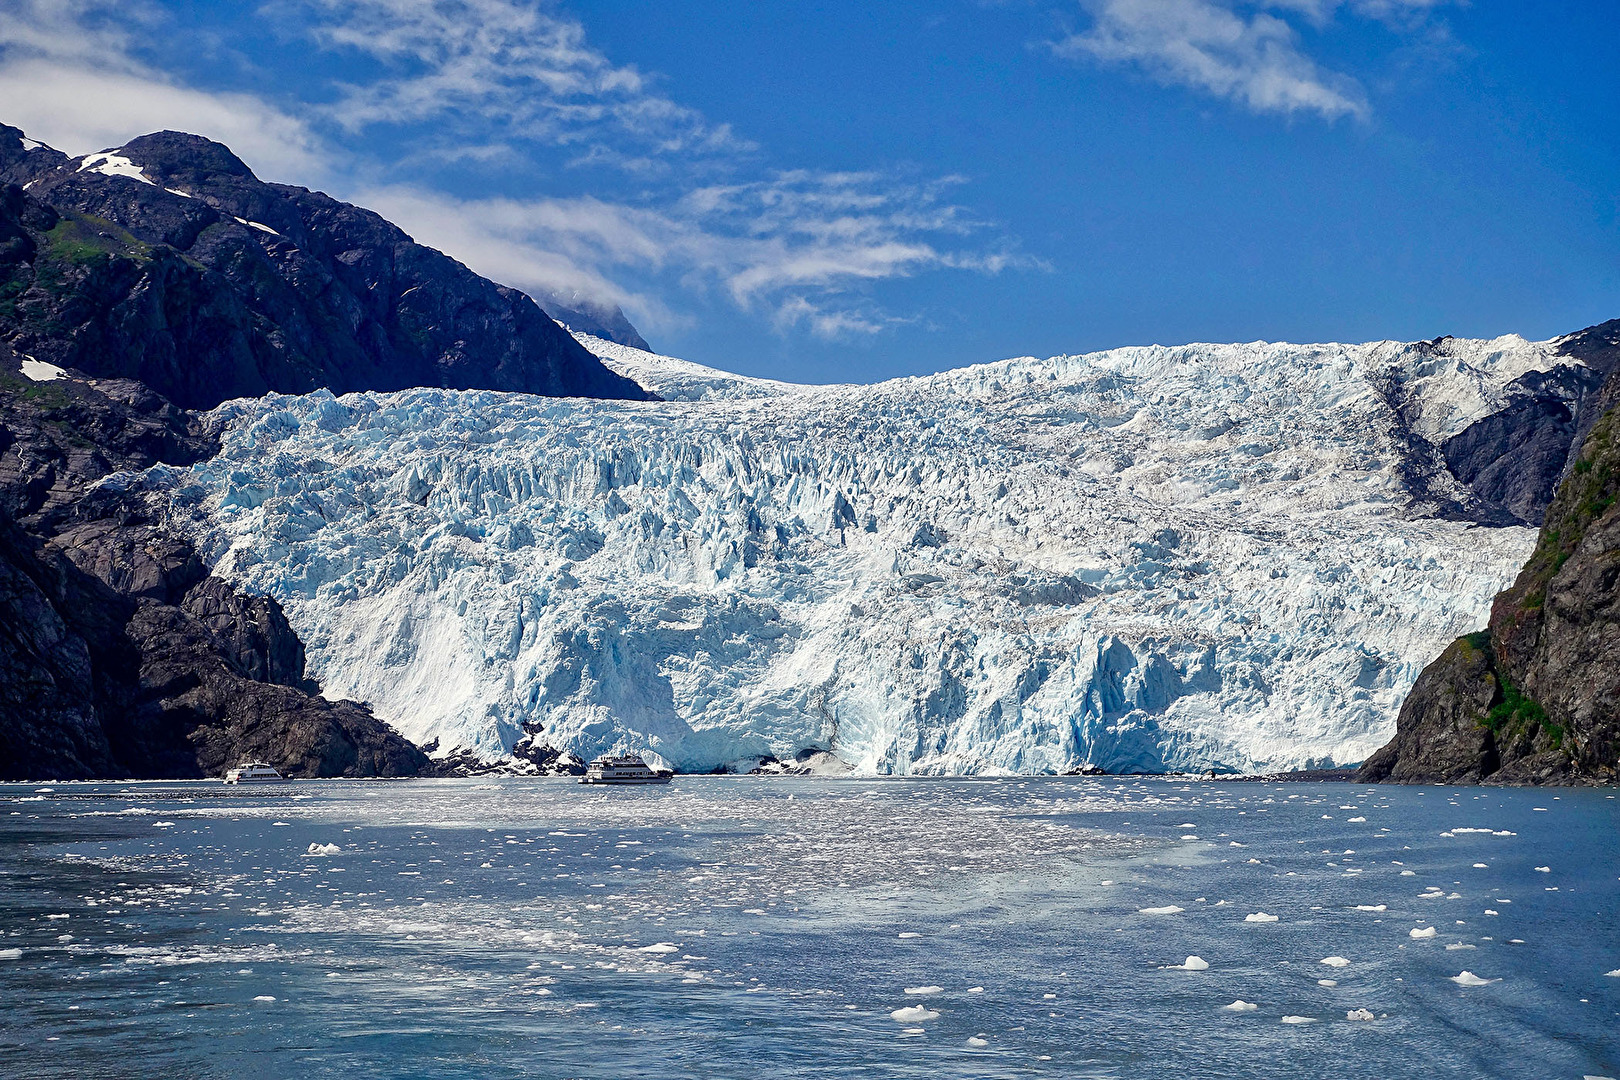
(119,654)
(169,262)
(1535,698)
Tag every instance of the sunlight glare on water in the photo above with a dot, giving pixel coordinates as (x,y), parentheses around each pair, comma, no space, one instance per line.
(740,927)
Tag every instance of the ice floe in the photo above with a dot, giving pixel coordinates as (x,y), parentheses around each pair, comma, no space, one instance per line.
(1168,909)
(912,1014)
(1468,978)
(1192,963)
(1334,961)
(1299,1019)
(923,991)
(323,849)
(1359,1014)
(1240,1006)
(1260,916)
(1422,932)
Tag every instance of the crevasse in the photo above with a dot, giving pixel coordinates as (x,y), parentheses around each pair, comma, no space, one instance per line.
(1141,559)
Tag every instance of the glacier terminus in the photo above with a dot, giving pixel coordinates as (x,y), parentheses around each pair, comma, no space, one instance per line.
(1230,557)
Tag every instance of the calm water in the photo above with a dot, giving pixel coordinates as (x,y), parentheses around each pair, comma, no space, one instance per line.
(725,927)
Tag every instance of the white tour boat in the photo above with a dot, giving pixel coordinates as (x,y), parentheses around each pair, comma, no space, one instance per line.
(253,772)
(623,769)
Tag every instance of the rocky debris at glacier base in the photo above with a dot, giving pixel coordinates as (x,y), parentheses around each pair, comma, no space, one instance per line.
(1148,559)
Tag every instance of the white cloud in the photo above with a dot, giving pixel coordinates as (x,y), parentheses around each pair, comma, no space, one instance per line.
(507,84)
(1255,60)
(799,245)
(515,67)
(68,78)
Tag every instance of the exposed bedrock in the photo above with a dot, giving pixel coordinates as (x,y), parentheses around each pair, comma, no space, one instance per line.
(168,261)
(1536,697)
(119,654)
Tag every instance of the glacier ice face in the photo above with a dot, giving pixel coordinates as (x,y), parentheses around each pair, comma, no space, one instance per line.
(1141,559)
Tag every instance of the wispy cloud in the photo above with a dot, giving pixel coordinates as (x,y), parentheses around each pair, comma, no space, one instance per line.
(797,246)
(517,70)
(69,72)
(1253,57)
(514,82)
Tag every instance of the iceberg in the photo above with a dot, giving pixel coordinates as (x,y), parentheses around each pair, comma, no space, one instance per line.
(1229,557)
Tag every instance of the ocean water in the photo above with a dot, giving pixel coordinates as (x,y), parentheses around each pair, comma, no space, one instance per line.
(786,928)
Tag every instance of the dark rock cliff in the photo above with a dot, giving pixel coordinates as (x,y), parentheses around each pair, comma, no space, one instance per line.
(1535,698)
(119,654)
(188,273)
(170,278)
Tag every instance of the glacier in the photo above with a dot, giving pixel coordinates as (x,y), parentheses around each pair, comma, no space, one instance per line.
(1229,557)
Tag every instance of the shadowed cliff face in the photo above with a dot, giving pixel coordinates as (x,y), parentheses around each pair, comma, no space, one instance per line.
(167,272)
(1536,697)
(119,655)
(173,264)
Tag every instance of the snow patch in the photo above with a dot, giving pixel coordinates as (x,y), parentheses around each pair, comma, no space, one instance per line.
(110,163)
(40,371)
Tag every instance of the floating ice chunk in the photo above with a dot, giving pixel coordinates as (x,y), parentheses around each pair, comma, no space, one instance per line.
(1186,825)
(1615,974)
(925,990)
(1504,832)
(1408,873)
(1299,1019)
(1194,963)
(13,954)
(1372,907)
(1468,978)
(1327,982)
(913,1014)
(162,824)
(1455,946)
(1240,1006)
(1355,819)
(1543,869)
(1358,1014)
(1260,916)
(1169,909)
(264,997)
(975,989)
(1421,932)
(1490,911)
(1335,961)
(660,948)
(977,1043)
(908,934)
(281,823)
(1481,866)
(322,849)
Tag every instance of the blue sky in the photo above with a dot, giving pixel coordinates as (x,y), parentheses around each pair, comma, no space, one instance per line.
(851,191)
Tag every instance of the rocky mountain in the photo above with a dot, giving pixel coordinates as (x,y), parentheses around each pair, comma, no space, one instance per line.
(119,654)
(1211,556)
(167,261)
(581,314)
(1535,697)
(138,284)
